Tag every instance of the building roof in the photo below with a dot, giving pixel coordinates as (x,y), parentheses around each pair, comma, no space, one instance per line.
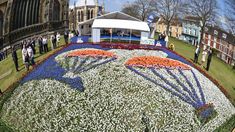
(221,34)
(174,22)
(121,24)
(192,18)
(112,15)
(85,2)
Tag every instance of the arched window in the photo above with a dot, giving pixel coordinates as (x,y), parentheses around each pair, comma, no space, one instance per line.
(79,16)
(88,14)
(92,14)
(82,16)
(1,23)
(56,10)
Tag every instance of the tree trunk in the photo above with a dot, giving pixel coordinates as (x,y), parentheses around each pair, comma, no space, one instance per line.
(167,28)
(202,34)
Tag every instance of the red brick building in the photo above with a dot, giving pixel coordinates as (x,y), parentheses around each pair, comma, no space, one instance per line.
(222,41)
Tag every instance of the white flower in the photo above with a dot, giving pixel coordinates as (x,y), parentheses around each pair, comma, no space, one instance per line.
(114,99)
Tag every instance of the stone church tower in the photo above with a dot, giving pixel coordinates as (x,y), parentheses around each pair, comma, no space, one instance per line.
(20,19)
(84,10)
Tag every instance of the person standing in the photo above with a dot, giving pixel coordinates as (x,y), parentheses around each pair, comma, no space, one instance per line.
(204,53)
(196,54)
(58,38)
(31,55)
(210,53)
(33,45)
(15,58)
(25,57)
(66,37)
(53,41)
(45,44)
(1,56)
(40,45)
(166,40)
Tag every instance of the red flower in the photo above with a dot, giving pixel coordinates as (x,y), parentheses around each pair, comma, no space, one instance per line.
(158,62)
(91,53)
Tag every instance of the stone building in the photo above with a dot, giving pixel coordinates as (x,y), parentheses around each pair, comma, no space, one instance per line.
(191,30)
(20,19)
(222,41)
(84,10)
(175,27)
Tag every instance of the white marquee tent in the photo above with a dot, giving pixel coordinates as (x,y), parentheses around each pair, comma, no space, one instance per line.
(118,24)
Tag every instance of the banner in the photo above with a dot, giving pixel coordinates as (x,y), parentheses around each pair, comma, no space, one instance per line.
(150,18)
(147,41)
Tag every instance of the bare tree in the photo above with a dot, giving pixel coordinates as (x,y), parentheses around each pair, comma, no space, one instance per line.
(139,9)
(205,10)
(145,7)
(230,15)
(168,10)
(131,10)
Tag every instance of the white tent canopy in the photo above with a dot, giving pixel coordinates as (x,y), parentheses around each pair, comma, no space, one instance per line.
(120,24)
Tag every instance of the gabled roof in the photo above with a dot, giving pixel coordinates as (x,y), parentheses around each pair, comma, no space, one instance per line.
(192,18)
(174,22)
(113,15)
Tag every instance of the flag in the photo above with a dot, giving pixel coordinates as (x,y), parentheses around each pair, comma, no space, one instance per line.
(150,18)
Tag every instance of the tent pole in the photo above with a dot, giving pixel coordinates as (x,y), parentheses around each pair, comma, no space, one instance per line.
(111,35)
(130,36)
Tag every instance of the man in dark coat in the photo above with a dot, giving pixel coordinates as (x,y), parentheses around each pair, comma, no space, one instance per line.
(66,37)
(33,45)
(40,45)
(54,41)
(15,58)
(210,53)
(1,56)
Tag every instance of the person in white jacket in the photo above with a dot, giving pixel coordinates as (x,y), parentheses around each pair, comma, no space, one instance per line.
(25,57)
(31,55)
(58,38)
(167,40)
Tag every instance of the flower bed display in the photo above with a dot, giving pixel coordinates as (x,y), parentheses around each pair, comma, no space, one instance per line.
(91,53)
(157,62)
(184,91)
(76,90)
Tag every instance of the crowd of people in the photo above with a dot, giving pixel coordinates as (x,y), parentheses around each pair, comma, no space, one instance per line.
(28,48)
(206,51)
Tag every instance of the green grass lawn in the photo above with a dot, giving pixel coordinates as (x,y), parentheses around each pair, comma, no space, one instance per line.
(219,70)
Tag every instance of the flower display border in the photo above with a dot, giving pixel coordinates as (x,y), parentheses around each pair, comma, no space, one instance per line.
(148,47)
(47,58)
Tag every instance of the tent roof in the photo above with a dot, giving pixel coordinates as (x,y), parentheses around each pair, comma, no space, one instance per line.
(121,24)
(112,15)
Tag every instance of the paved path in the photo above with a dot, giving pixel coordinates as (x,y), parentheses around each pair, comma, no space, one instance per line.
(5,74)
